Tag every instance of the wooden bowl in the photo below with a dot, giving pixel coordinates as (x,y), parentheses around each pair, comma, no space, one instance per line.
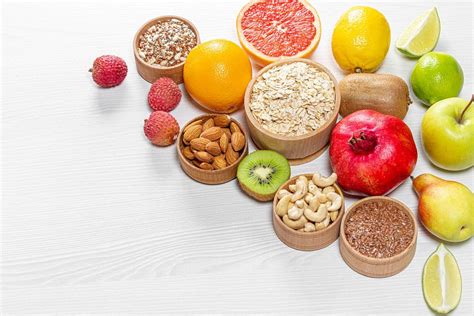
(376,267)
(302,240)
(209,176)
(151,73)
(298,147)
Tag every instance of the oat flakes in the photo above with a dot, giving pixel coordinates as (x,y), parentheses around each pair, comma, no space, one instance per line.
(293,99)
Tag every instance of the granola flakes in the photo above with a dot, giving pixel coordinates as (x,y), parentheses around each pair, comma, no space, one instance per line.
(293,99)
(166,43)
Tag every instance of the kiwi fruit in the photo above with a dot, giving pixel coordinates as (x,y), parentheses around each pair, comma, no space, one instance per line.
(262,172)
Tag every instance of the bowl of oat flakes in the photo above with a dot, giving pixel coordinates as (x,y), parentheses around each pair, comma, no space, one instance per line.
(291,106)
(161,46)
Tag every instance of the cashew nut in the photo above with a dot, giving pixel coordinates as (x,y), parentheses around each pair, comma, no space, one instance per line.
(323,182)
(322,198)
(323,224)
(295,224)
(295,213)
(312,188)
(299,203)
(292,188)
(326,190)
(333,215)
(314,204)
(336,201)
(317,216)
(282,193)
(301,230)
(282,205)
(309,227)
(301,188)
(308,197)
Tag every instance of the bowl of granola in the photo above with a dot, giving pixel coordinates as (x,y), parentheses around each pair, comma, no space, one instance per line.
(291,106)
(161,46)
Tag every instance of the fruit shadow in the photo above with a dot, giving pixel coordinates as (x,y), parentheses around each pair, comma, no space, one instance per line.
(110,100)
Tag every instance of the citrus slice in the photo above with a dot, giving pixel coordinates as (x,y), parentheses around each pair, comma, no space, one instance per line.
(442,281)
(269,30)
(421,36)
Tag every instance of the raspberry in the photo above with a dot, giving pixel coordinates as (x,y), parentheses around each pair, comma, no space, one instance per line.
(164,95)
(161,128)
(109,71)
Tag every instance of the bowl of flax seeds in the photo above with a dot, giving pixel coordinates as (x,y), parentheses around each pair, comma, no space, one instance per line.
(378,236)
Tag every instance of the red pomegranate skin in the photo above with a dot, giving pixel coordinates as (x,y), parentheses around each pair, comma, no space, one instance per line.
(371,153)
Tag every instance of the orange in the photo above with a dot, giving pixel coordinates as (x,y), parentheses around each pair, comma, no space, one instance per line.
(216,74)
(269,30)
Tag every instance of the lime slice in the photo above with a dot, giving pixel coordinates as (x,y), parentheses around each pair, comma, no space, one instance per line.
(421,36)
(442,281)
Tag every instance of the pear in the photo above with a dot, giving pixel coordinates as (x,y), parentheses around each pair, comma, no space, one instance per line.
(445,208)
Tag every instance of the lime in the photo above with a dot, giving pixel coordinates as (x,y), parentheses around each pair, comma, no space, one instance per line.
(436,76)
(421,36)
(442,281)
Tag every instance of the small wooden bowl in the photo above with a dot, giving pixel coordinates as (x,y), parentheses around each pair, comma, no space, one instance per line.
(298,148)
(209,176)
(151,73)
(376,267)
(301,240)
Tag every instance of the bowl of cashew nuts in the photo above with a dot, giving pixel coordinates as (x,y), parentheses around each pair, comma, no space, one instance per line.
(307,211)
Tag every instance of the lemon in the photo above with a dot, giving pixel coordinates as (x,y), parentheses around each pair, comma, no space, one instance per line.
(442,283)
(216,74)
(421,36)
(361,39)
(436,76)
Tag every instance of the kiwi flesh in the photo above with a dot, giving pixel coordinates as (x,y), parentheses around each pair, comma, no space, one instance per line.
(262,172)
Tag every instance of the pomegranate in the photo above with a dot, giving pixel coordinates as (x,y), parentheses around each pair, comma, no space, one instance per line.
(371,153)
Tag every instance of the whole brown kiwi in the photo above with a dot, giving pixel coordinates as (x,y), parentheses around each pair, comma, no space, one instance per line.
(387,94)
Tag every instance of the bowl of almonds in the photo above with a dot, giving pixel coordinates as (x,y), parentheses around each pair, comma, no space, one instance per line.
(291,107)
(307,211)
(161,46)
(210,148)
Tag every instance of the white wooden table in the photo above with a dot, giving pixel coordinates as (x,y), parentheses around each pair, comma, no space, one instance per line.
(97,220)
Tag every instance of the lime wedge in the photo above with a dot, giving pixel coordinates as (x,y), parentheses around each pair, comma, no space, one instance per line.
(442,284)
(421,36)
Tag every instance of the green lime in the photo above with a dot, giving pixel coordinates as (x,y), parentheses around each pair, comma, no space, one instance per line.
(421,36)
(436,76)
(442,283)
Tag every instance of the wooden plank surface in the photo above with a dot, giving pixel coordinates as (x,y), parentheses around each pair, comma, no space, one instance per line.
(97,220)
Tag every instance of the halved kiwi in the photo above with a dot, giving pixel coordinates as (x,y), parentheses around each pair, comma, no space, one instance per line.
(262,172)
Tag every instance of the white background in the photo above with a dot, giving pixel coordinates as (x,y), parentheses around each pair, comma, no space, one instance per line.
(97,220)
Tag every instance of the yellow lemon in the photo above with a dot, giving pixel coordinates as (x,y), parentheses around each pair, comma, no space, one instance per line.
(361,39)
(216,74)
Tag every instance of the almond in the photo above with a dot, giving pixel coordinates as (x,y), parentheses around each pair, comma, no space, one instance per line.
(199,143)
(230,155)
(197,122)
(204,156)
(219,162)
(208,124)
(227,132)
(223,142)
(238,141)
(206,166)
(222,120)
(188,153)
(192,133)
(234,128)
(196,163)
(213,148)
(212,133)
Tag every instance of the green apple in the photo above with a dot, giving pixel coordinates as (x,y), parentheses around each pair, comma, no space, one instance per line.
(445,208)
(447,133)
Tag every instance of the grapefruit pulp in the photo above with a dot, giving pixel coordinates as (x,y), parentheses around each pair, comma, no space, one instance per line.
(269,30)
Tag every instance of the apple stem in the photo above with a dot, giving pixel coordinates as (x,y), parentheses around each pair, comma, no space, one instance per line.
(465,109)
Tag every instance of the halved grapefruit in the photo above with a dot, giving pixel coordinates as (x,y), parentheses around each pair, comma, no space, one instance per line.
(269,30)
